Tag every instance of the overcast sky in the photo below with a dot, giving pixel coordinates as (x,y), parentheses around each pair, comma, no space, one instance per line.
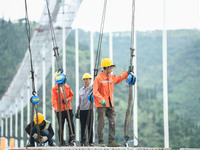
(180,14)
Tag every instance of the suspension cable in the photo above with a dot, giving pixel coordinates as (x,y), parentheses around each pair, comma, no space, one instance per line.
(27,25)
(53,37)
(60,86)
(100,40)
(97,61)
(132,50)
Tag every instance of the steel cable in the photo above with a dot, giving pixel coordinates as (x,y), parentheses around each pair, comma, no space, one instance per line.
(27,25)
(90,115)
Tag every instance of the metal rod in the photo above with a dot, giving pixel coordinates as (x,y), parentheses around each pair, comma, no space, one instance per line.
(64,56)
(6,127)
(165,86)
(135,106)
(64,38)
(22,115)
(28,106)
(2,129)
(77,79)
(110,46)
(92,73)
(44,85)
(91,54)
(16,120)
(11,128)
(53,84)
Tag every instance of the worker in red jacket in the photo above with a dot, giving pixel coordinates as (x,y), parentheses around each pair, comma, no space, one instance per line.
(55,103)
(103,96)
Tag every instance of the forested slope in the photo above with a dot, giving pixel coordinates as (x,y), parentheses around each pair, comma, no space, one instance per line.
(183,79)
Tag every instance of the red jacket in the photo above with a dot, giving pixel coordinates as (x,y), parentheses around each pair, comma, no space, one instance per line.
(103,87)
(55,100)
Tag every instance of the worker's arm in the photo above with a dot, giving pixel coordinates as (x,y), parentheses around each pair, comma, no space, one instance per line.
(28,128)
(54,99)
(51,132)
(120,78)
(79,101)
(71,94)
(96,87)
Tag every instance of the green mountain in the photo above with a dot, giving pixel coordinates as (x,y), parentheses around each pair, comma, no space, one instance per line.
(183,79)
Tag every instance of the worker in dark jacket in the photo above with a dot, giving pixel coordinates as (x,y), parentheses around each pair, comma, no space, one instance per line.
(46,131)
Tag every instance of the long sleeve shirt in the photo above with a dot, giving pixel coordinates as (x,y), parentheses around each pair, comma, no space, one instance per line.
(103,88)
(84,103)
(55,99)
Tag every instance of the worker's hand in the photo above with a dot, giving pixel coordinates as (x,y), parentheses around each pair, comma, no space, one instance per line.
(65,101)
(35,136)
(43,139)
(103,103)
(130,69)
(55,110)
(77,115)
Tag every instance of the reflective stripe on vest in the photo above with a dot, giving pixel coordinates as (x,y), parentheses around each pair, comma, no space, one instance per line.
(47,125)
(106,81)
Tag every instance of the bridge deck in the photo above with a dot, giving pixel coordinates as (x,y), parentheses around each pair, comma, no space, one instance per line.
(92,148)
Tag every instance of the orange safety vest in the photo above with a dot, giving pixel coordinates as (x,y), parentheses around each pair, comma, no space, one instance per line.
(55,99)
(103,87)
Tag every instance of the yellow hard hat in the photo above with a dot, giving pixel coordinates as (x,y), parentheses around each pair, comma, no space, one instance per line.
(86,76)
(106,62)
(40,118)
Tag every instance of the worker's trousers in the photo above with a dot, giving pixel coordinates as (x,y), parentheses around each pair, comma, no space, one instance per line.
(109,112)
(63,117)
(83,120)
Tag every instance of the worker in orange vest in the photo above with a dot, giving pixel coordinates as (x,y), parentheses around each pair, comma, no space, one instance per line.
(55,103)
(103,96)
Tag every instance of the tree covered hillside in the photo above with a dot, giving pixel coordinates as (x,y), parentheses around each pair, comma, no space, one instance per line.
(13,44)
(183,79)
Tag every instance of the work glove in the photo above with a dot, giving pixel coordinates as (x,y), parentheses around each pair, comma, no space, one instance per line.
(103,103)
(35,136)
(77,115)
(130,69)
(65,101)
(43,139)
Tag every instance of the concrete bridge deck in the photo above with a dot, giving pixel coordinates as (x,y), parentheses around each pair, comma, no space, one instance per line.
(92,148)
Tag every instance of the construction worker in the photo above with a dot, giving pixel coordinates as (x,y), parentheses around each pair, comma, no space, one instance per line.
(55,103)
(103,96)
(45,131)
(84,107)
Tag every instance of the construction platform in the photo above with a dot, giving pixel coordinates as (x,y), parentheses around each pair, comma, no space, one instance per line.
(92,148)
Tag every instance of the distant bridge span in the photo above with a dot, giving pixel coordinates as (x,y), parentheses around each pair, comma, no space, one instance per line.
(63,13)
(41,45)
